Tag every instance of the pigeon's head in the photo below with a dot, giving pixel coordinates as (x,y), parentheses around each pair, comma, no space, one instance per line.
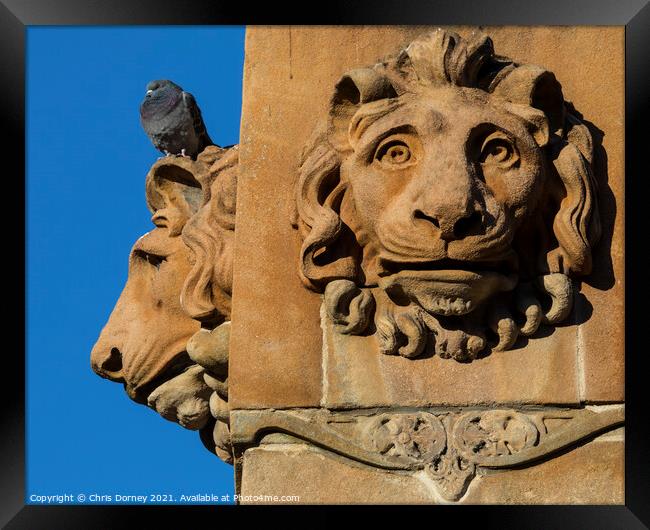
(161,88)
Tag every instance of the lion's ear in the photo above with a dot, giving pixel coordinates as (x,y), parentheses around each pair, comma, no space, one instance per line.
(355,88)
(173,190)
(532,86)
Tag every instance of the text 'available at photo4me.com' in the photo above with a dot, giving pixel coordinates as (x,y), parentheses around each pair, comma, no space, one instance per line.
(159,498)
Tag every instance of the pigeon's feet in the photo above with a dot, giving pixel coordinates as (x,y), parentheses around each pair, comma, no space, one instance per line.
(183,154)
(167,153)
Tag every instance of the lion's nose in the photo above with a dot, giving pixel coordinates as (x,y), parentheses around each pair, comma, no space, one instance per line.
(453,227)
(107,362)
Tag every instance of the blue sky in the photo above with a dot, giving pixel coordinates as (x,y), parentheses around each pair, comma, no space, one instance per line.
(87,157)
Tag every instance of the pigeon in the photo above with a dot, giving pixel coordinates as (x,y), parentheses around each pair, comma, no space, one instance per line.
(172,120)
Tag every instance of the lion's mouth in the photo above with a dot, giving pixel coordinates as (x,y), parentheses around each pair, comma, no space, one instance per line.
(447,287)
(176,366)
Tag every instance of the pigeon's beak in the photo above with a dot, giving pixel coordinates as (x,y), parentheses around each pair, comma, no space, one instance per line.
(149,92)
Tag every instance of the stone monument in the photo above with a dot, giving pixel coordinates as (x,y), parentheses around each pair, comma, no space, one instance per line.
(405,285)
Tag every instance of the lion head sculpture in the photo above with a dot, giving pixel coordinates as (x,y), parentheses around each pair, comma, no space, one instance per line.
(176,302)
(448,200)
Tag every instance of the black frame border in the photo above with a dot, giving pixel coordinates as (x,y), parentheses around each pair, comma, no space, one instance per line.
(16,15)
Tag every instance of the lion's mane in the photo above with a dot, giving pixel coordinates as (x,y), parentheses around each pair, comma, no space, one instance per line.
(207,292)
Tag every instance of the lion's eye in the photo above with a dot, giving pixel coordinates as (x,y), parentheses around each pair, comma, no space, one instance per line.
(152,248)
(150,258)
(499,151)
(394,153)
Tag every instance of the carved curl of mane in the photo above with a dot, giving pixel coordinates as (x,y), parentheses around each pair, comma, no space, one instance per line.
(206,294)
(572,224)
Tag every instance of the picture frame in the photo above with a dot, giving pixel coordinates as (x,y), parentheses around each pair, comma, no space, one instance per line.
(16,16)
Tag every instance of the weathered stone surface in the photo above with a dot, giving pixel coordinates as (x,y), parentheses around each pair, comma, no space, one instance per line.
(356,376)
(209,348)
(590,474)
(183,399)
(319,477)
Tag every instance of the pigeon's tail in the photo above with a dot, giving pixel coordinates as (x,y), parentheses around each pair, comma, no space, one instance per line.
(205,140)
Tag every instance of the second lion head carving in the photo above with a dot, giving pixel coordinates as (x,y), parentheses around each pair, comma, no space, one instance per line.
(448,199)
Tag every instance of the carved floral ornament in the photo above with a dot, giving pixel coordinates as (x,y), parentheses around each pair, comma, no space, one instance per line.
(448,201)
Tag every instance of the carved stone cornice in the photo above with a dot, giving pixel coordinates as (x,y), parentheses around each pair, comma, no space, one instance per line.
(450,446)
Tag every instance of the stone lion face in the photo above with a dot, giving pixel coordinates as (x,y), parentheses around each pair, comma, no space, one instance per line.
(449,198)
(143,342)
(438,187)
